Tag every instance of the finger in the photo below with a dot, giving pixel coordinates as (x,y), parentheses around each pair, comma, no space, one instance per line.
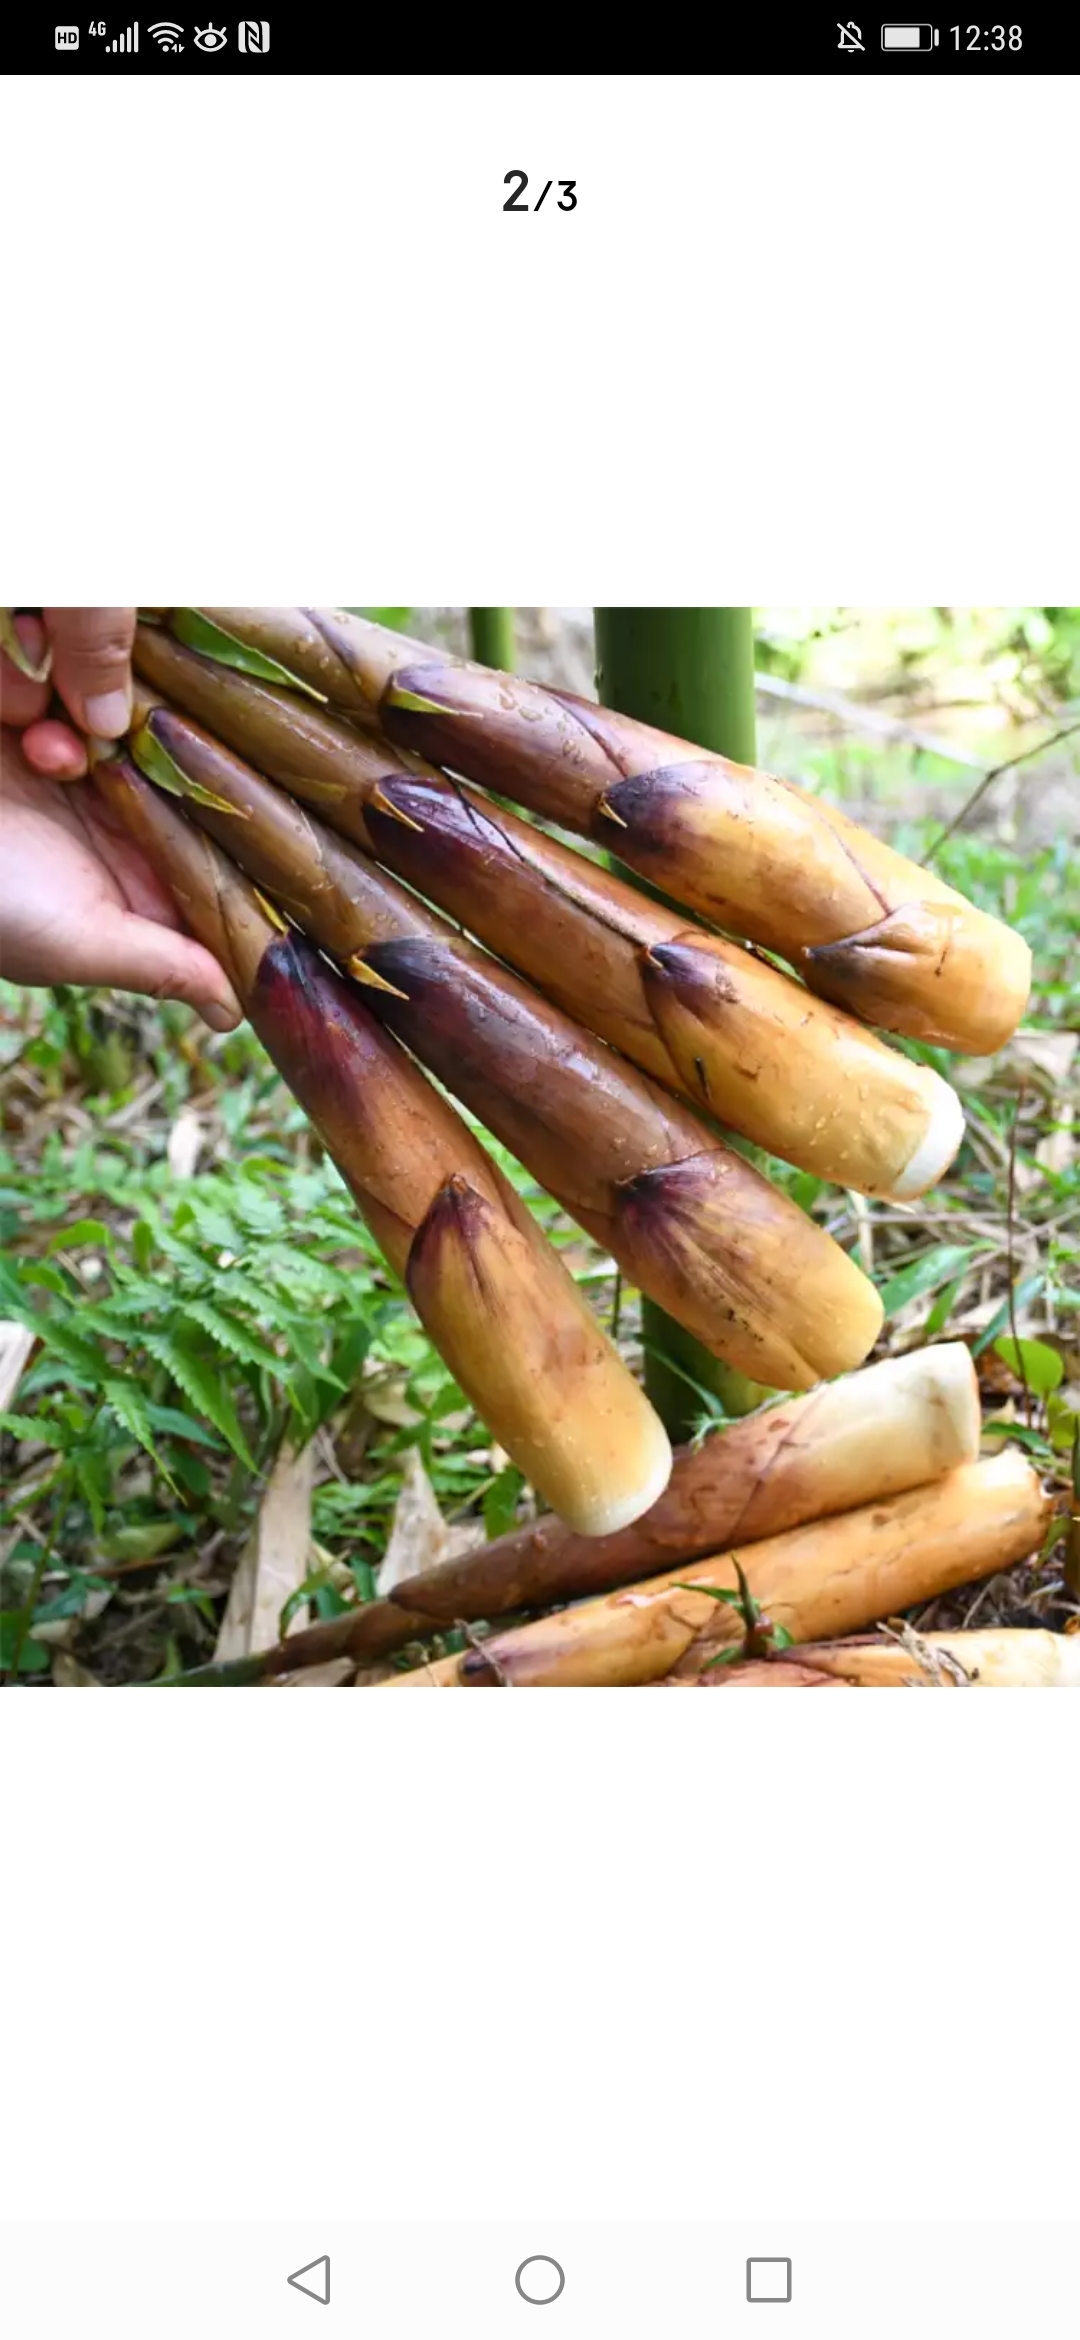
(92,666)
(54,751)
(21,699)
(137,954)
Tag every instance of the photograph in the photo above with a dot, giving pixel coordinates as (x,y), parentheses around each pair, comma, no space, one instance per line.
(540,1147)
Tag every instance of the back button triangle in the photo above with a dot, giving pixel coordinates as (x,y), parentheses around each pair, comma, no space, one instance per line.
(313,2280)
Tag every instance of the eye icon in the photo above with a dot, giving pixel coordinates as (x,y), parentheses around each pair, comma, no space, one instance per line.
(210,37)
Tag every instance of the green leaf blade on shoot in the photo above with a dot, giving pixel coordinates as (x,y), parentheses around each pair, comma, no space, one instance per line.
(155,762)
(13,646)
(211,641)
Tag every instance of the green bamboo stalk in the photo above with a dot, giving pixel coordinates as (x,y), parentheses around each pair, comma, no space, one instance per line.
(491,637)
(691,672)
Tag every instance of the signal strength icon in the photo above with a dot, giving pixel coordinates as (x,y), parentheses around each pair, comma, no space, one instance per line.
(125,42)
(167,36)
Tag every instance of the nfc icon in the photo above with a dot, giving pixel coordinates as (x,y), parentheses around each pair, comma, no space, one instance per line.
(67,36)
(255,38)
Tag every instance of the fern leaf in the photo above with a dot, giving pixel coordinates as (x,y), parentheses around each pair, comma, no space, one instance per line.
(199,1384)
(231,1334)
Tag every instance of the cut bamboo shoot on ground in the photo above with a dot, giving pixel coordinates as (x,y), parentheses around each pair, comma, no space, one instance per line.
(1000,1658)
(872,1436)
(494,1297)
(752,853)
(831,1577)
(689,1221)
(717,1025)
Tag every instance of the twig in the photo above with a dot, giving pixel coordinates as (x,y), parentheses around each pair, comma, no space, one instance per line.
(859,718)
(476,1641)
(616,1306)
(937,1664)
(1040,749)
(1019,1354)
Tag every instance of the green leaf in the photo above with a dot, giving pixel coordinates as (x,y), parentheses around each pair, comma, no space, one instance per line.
(130,1407)
(34,1657)
(14,647)
(163,769)
(83,1232)
(143,1243)
(177,1425)
(413,702)
(211,641)
(231,1334)
(50,1279)
(94,1477)
(1025,1292)
(1038,1366)
(142,1539)
(501,1500)
(724,1657)
(944,1305)
(1016,1434)
(37,1433)
(83,1356)
(198,1384)
(1062,1423)
(939,1266)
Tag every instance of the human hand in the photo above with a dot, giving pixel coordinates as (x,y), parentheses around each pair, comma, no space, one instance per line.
(78,902)
(89,668)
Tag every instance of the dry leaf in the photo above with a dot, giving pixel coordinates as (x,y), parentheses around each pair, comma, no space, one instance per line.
(185,1143)
(385,1398)
(68,1674)
(16,1342)
(331,1676)
(274,1560)
(1032,1060)
(418,1533)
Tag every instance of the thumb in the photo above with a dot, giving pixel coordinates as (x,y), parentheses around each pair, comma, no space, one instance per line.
(92,666)
(138,954)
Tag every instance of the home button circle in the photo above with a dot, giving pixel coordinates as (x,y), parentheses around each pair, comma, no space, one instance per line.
(539,2280)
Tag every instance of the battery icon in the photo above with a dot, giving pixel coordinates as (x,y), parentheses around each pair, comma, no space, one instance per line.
(908,36)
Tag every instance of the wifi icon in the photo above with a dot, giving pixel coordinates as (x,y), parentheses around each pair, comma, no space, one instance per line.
(167,36)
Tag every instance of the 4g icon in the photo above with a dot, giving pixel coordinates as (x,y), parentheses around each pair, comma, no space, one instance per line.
(254,38)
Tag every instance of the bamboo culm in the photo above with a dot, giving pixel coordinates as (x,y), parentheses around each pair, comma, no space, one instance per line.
(692,669)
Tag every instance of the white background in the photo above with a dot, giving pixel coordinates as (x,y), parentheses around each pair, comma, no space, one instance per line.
(578,1956)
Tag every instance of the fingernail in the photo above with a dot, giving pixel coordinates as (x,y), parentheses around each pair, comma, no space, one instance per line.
(109,714)
(221,1018)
